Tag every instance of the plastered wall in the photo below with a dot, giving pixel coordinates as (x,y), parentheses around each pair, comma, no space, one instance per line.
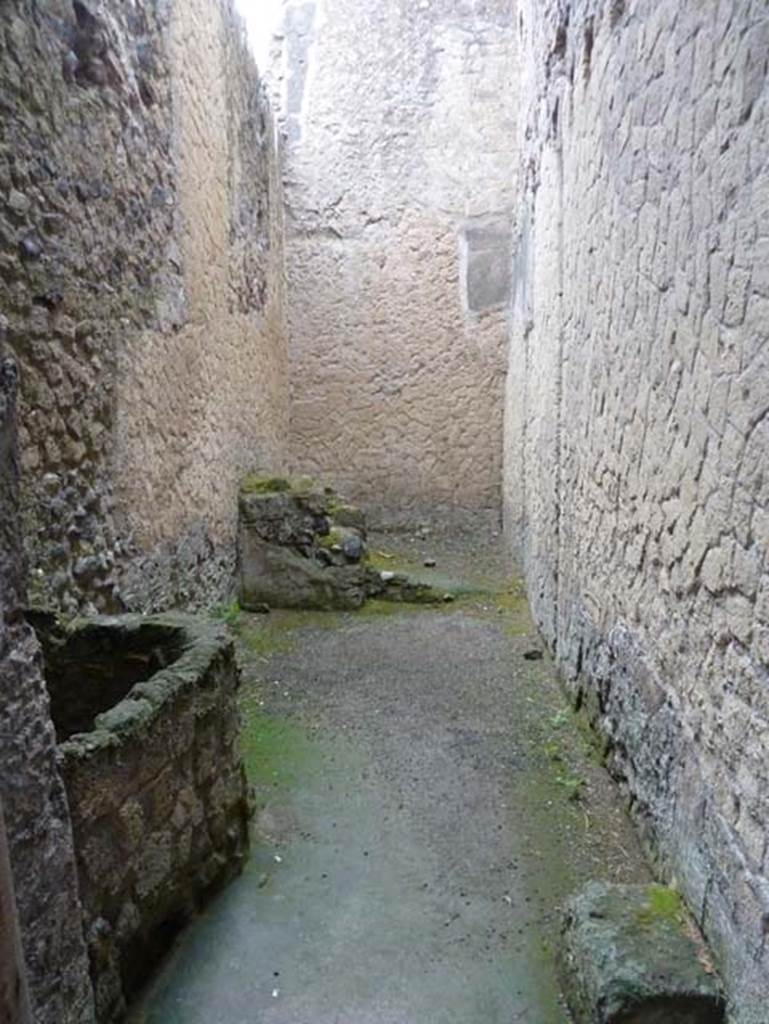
(636,423)
(141,291)
(399,122)
(202,404)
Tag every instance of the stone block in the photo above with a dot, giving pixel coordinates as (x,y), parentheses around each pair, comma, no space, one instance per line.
(282,578)
(632,955)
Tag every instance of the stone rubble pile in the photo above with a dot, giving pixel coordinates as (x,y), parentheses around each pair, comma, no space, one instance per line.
(302,546)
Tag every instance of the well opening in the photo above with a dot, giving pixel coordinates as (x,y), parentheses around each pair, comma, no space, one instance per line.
(89,671)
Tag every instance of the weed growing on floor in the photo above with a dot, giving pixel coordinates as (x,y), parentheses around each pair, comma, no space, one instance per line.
(571,783)
(228,613)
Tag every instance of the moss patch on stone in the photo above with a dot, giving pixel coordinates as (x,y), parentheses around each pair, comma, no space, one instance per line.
(253,483)
(333,538)
(663,904)
(630,952)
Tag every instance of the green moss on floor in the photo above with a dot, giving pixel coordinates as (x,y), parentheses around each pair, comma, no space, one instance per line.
(459,590)
(569,739)
(263,635)
(390,561)
(594,746)
(507,603)
(261,643)
(567,744)
(374,609)
(340,761)
(277,752)
(565,738)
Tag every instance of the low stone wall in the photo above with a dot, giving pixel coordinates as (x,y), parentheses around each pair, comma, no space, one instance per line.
(291,551)
(156,787)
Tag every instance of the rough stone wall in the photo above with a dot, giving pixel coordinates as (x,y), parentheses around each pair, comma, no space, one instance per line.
(31,789)
(14,995)
(147,330)
(158,799)
(637,433)
(400,119)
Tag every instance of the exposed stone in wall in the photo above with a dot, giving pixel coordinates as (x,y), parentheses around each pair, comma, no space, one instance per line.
(637,433)
(400,122)
(141,285)
(31,790)
(141,288)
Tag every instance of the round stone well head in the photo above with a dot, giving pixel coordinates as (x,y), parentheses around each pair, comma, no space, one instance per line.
(145,711)
(94,664)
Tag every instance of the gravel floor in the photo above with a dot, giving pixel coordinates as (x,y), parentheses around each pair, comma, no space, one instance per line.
(425,801)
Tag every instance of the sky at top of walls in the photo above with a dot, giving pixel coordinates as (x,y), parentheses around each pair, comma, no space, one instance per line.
(262,18)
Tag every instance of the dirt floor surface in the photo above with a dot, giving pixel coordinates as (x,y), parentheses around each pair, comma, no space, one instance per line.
(425,801)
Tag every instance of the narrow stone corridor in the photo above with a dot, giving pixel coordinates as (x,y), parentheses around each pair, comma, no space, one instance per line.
(316,317)
(424,804)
